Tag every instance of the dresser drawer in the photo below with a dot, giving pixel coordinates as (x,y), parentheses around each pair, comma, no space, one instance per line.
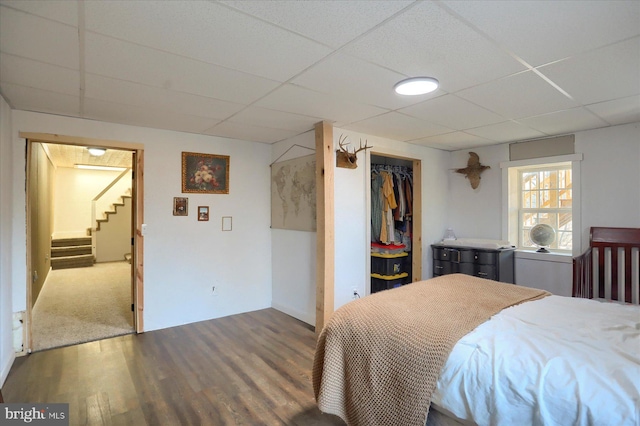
(486,271)
(478,257)
(443,267)
(446,254)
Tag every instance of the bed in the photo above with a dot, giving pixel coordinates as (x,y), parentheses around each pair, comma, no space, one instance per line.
(463,350)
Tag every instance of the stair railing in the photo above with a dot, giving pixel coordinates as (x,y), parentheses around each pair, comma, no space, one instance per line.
(94,203)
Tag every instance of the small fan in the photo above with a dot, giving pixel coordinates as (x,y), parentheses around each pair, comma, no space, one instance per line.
(542,235)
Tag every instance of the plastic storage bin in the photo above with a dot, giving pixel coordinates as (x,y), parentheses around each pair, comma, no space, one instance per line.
(389,264)
(386,282)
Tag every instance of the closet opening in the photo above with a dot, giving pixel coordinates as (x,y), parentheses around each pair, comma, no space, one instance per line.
(396,222)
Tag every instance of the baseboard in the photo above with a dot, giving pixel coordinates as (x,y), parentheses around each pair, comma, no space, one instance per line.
(302,316)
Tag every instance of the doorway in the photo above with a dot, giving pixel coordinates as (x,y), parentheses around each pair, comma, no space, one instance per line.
(71,299)
(396,249)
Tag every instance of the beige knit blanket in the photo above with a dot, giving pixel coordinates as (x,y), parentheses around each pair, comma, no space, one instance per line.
(378,358)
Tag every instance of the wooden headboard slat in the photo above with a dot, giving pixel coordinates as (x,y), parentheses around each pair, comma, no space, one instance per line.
(617,236)
(609,268)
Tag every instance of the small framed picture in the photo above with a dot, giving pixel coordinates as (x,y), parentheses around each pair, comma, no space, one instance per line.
(203,213)
(180,206)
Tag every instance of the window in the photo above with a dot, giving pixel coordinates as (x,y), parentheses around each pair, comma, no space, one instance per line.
(543,190)
(545,196)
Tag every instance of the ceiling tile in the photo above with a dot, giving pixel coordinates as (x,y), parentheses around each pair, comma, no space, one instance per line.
(70,155)
(509,131)
(430,42)
(53,43)
(618,111)
(452,112)
(298,100)
(333,23)
(145,117)
(30,99)
(352,78)
(545,31)
(453,141)
(250,133)
(397,126)
(600,75)
(208,32)
(29,73)
(263,117)
(63,11)
(118,91)
(517,96)
(561,122)
(125,61)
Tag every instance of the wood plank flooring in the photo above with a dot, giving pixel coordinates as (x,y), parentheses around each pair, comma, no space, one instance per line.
(246,369)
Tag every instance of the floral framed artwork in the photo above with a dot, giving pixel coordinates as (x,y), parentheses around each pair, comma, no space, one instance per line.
(205,173)
(180,206)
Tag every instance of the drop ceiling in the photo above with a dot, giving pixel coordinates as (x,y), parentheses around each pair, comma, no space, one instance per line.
(265,71)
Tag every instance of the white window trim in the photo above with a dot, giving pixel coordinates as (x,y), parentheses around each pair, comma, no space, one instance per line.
(510,206)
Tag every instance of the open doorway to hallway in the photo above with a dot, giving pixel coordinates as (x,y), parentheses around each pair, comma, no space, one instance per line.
(80,236)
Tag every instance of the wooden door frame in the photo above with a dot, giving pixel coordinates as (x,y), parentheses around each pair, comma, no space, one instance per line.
(137,207)
(416,218)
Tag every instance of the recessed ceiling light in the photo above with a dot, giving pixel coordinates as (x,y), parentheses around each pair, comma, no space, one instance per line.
(416,86)
(97,152)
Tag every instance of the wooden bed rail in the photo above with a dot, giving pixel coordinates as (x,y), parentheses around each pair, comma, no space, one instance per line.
(610,268)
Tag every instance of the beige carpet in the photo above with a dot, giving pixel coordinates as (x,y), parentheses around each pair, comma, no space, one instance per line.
(83,304)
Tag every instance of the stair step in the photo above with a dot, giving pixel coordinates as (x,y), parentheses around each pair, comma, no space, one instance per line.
(70,251)
(72,261)
(66,242)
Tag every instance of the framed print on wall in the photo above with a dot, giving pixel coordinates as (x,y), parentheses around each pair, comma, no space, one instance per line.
(205,173)
(203,213)
(180,206)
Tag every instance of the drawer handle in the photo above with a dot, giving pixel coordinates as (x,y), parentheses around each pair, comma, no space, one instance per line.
(483,274)
(439,267)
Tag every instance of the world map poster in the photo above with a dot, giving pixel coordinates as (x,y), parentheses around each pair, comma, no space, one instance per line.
(293,194)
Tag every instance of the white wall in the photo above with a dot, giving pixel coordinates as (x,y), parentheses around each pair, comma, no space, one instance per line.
(7,354)
(183,258)
(294,252)
(74,191)
(113,239)
(352,205)
(610,177)
(610,197)
(475,213)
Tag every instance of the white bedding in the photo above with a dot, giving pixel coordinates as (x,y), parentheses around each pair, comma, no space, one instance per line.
(554,361)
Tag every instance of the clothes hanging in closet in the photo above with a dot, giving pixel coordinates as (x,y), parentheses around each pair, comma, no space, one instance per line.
(391,198)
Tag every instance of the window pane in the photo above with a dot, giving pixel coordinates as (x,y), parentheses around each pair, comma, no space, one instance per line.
(546,197)
(529,180)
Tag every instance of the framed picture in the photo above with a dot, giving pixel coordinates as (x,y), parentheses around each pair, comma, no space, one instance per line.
(205,173)
(180,206)
(203,213)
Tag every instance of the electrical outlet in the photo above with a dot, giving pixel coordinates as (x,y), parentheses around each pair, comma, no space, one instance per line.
(355,294)
(215,290)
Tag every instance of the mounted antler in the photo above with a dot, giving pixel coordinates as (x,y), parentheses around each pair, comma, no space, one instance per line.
(347,159)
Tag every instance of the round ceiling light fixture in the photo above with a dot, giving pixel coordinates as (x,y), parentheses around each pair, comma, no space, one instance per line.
(97,152)
(416,86)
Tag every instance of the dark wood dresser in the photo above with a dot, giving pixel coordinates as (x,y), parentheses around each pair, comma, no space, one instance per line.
(493,264)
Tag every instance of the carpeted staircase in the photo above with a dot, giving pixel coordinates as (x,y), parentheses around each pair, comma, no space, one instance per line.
(71,253)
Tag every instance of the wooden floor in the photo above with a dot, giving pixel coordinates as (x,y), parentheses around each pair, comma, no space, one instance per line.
(246,369)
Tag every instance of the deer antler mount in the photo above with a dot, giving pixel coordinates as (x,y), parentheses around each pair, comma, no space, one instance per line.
(346,159)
